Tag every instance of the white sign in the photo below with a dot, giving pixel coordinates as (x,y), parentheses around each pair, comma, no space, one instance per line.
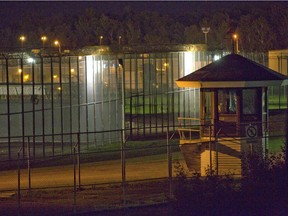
(251,131)
(17,90)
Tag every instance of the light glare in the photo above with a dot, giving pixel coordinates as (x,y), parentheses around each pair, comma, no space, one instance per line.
(216,57)
(30,60)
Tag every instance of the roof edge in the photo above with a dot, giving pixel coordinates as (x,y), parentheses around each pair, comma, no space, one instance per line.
(229,84)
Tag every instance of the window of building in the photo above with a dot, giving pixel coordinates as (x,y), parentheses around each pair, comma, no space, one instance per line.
(227,101)
(249,101)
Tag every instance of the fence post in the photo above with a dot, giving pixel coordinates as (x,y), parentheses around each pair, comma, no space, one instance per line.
(28,164)
(169,159)
(123,164)
(19,183)
(286,126)
(78,161)
(210,150)
(216,149)
(74,165)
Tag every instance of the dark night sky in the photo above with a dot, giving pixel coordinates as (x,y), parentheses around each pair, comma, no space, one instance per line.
(16,8)
(113,7)
(11,11)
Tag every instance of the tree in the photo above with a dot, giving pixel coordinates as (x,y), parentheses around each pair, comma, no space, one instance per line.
(176,32)
(219,25)
(260,26)
(132,33)
(194,35)
(154,28)
(279,20)
(131,29)
(255,34)
(63,31)
(108,28)
(84,27)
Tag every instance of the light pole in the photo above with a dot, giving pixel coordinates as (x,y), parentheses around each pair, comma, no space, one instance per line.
(100,40)
(205,30)
(43,39)
(57,43)
(119,41)
(22,39)
(235,43)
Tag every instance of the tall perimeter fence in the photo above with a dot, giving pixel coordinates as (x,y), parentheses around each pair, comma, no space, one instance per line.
(77,177)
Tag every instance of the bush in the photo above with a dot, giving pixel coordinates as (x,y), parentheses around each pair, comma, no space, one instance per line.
(196,195)
(264,182)
(262,190)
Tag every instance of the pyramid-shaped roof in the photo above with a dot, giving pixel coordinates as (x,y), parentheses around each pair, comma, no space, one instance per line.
(232,71)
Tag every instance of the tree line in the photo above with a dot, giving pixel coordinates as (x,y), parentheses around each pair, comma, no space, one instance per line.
(260,27)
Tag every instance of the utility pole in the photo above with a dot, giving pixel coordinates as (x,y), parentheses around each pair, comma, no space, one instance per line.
(235,44)
(205,30)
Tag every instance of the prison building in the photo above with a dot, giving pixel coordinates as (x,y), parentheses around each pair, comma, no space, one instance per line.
(53,100)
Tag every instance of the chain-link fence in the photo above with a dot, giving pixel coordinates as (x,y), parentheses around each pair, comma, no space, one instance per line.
(77,176)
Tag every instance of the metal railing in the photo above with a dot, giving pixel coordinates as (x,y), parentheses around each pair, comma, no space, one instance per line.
(190,126)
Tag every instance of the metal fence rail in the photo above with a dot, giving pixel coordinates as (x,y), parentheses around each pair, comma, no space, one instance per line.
(93,176)
(119,167)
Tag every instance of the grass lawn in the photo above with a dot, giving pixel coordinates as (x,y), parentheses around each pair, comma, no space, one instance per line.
(276,144)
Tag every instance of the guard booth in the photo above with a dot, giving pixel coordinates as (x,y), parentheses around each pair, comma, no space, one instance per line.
(233,114)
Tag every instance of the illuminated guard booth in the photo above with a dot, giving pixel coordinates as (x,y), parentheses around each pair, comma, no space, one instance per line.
(233,114)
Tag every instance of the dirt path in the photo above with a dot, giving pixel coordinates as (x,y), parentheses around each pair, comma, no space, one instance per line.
(94,195)
(90,200)
(91,173)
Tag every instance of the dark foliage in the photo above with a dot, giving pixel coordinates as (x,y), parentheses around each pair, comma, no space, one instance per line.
(262,190)
(261,26)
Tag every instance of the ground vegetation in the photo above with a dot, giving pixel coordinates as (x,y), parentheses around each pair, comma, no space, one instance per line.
(262,190)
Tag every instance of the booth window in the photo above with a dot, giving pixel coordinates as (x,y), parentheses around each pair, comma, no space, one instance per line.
(249,101)
(227,101)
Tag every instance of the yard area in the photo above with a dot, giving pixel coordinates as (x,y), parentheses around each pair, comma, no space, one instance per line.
(146,192)
(53,192)
(91,200)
